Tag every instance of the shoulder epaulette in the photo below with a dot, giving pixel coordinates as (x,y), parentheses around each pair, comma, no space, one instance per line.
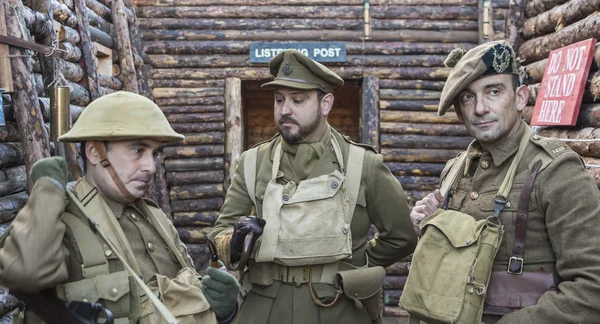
(363,145)
(151,202)
(265,141)
(553,147)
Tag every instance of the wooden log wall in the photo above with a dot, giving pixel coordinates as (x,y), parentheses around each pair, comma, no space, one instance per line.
(192,46)
(547,27)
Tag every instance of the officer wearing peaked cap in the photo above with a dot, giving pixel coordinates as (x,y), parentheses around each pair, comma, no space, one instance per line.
(315,195)
(52,244)
(548,264)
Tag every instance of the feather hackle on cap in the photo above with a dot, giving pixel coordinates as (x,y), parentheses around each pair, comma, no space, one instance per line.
(454,57)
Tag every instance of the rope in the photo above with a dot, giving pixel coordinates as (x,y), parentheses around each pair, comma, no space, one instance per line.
(16,55)
(579,139)
(58,80)
(592,166)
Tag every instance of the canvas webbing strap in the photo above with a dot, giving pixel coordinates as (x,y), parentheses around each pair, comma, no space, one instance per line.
(158,305)
(453,174)
(92,253)
(356,156)
(250,172)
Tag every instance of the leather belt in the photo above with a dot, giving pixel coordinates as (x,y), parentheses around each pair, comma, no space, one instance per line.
(515,263)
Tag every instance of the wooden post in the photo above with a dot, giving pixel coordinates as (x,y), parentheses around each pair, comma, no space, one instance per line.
(87,48)
(483,19)
(369,117)
(514,21)
(234,125)
(128,73)
(6,79)
(28,115)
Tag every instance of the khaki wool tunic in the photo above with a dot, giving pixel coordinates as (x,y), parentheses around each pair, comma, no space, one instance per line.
(563,226)
(381,202)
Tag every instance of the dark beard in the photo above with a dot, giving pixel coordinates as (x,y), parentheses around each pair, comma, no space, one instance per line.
(303,131)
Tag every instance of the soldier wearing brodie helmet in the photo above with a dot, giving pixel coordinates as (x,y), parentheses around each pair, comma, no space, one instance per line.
(547,266)
(52,244)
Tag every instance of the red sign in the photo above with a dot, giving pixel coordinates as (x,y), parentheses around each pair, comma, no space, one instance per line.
(562,87)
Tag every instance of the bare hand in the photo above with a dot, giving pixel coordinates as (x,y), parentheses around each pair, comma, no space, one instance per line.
(425,207)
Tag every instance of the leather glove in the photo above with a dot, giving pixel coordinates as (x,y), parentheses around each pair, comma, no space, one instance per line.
(221,291)
(243,226)
(54,168)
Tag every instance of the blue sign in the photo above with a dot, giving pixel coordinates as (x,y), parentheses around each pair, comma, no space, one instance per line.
(261,52)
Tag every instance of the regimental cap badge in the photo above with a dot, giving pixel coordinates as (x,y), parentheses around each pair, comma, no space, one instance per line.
(501,59)
(287,69)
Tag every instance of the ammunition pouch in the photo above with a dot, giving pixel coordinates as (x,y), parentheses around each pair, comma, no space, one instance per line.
(364,287)
(510,292)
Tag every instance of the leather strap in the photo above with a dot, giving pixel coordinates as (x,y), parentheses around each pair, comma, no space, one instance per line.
(111,170)
(518,252)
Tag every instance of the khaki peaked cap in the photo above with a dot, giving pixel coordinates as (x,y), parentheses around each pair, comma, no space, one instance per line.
(293,69)
(486,59)
(122,116)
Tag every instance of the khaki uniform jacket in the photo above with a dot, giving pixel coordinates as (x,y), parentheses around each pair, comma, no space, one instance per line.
(381,202)
(41,253)
(563,226)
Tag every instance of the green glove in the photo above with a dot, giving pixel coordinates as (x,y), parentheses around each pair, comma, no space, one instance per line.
(221,291)
(53,167)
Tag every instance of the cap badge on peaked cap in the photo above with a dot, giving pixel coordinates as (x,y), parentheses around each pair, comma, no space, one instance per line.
(501,60)
(287,69)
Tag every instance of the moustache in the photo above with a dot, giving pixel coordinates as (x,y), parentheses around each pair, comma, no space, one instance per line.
(287,120)
(143,179)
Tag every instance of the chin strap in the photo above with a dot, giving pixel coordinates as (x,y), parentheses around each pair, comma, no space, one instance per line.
(111,170)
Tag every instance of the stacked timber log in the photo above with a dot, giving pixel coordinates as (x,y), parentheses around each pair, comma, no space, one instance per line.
(550,25)
(196,47)
(498,16)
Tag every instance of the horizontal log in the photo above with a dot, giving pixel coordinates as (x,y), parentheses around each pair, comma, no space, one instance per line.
(534,90)
(592,88)
(192,109)
(11,204)
(540,47)
(536,70)
(189,101)
(73,53)
(255,73)
(424,141)
(196,191)
(199,117)
(9,132)
(193,3)
(418,169)
(337,12)
(589,115)
(196,205)
(410,105)
(394,311)
(397,269)
(193,151)
(100,9)
(161,93)
(195,219)
(499,14)
(194,177)
(583,148)
(11,154)
(73,72)
(243,47)
(443,36)
(193,234)
(12,180)
(110,82)
(417,117)
(198,127)
(194,164)
(411,84)
(63,14)
(74,110)
(80,96)
(595,174)
(536,7)
(394,282)
(420,183)
(562,15)
(391,297)
(409,94)
(204,138)
(501,4)
(96,21)
(68,34)
(102,38)
(170,83)
(37,23)
(418,155)
(423,129)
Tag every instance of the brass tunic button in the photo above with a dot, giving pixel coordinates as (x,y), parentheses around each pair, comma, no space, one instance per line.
(474,195)
(114,292)
(535,137)
(485,164)
(134,217)
(297,284)
(107,253)
(151,246)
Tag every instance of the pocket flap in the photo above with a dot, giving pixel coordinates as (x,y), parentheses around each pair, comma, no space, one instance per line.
(461,229)
(113,286)
(360,283)
(322,187)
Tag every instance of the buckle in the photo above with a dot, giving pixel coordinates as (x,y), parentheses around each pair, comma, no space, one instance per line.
(105,163)
(515,268)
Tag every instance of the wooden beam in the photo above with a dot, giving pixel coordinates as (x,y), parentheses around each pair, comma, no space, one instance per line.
(6,78)
(234,125)
(369,116)
(514,21)
(128,72)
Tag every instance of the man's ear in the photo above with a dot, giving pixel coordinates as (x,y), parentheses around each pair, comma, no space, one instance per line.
(326,104)
(521,96)
(91,153)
